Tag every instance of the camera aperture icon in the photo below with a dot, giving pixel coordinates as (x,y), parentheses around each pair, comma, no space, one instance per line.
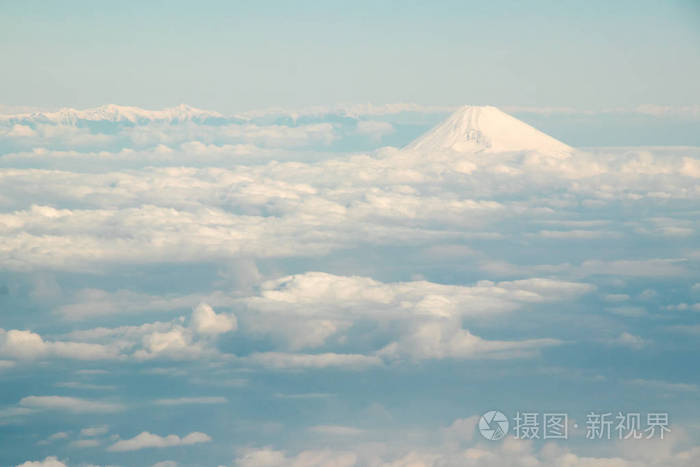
(493,425)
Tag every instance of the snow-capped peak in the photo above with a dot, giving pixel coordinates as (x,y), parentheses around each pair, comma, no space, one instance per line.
(116,113)
(486,129)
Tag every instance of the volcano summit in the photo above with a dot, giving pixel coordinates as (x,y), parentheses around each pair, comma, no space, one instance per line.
(473,129)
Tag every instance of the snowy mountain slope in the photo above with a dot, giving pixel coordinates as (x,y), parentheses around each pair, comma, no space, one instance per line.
(487,129)
(114,114)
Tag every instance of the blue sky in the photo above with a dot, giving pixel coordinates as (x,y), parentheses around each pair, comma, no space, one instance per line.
(270,234)
(236,56)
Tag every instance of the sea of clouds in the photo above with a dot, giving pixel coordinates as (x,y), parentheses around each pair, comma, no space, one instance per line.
(294,288)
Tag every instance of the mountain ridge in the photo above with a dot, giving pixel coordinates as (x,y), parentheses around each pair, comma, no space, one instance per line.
(116,114)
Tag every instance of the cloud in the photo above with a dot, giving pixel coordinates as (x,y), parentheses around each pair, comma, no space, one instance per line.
(192,400)
(405,320)
(664,385)
(439,340)
(636,268)
(205,321)
(317,458)
(631,341)
(90,303)
(510,452)
(88,386)
(149,440)
(85,443)
(69,404)
(461,429)
(280,360)
(4,364)
(374,129)
(668,110)
(54,437)
(336,430)
(165,340)
(176,343)
(94,430)
(27,345)
(297,208)
(50,461)
(683,307)
(422,320)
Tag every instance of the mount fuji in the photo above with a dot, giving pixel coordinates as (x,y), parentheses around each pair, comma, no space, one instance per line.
(486,129)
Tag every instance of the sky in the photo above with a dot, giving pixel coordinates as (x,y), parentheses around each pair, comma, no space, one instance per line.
(238,56)
(257,234)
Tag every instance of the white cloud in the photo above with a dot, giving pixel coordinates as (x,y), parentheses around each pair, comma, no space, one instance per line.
(461,429)
(85,443)
(336,430)
(94,430)
(50,461)
(510,452)
(54,437)
(280,360)
(316,458)
(149,440)
(69,404)
(88,386)
(374,129)
(616,298)
(631,341)
(315,309)
(27,345)
(664,385)
(298,208)
(439,340)
(416,320)
(176,342)
(192,400)
(205,321)
(164,340)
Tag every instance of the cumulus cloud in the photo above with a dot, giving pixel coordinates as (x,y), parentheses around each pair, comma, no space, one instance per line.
(148,440)
(510,452)
(27,345)
(164,340)
(50,461)
(205,321)
(310,310)
(412,320)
